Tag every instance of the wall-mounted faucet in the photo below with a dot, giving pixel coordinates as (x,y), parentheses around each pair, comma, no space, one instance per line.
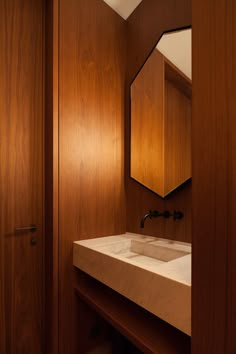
(165,214)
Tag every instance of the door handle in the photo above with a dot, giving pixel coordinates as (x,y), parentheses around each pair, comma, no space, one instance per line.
(31,228)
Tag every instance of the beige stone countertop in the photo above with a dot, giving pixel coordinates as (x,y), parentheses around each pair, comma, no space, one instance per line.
(153,272)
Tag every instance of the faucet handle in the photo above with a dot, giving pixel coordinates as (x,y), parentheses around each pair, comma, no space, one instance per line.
(177,215)
(153,213)
(166,214)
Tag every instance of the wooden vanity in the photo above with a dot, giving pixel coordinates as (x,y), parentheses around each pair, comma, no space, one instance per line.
(146,331)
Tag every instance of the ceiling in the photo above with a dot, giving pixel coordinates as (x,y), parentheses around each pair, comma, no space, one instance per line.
(123,7)
(177,47)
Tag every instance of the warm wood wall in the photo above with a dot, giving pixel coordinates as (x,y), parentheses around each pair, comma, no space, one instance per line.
(145,26)
(91,138)
(51,175)
(21,175)
(214,171)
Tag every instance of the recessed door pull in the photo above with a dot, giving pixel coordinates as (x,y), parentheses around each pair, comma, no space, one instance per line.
(31,228)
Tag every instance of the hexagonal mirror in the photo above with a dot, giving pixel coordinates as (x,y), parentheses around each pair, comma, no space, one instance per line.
(161,96)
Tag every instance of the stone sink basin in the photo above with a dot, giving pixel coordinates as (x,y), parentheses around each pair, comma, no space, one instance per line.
(154,273)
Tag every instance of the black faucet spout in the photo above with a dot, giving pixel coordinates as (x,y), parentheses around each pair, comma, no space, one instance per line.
(165,214)
(150,214)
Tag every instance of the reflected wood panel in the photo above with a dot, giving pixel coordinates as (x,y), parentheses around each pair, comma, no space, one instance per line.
(160,126)
(147,125)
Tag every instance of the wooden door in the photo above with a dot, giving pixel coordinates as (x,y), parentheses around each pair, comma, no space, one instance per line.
(21,176)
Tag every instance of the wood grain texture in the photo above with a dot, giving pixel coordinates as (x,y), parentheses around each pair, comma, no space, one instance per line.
(231,276)
(21,176)
(51,175)
(145,26)
(160,157)
(91,151)
(214,108)
(230,13)
(177,137)
(148,333)
(147,124)
(178,78)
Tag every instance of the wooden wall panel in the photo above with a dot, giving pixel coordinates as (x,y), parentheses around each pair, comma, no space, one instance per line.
(177,148)
(145,26)
(91,135)
(147,122)
(230,16)
(51,174)
(160,136)
(214,149)
(231,274)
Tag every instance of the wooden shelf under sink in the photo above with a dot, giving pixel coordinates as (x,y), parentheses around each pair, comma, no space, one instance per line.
(146,331)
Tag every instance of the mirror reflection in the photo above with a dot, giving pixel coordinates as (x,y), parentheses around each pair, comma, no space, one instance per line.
(161,116)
